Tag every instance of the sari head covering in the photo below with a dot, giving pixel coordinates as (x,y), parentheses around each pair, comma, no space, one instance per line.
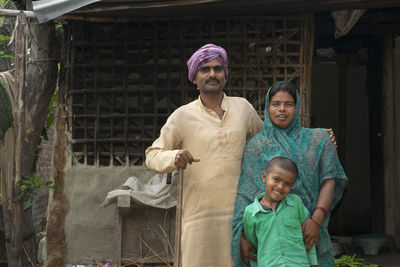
(316,159)
(205,54)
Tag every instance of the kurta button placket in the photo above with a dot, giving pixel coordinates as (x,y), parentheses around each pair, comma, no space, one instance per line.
(221,141)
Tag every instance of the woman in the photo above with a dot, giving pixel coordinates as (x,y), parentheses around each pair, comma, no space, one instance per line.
(321,179)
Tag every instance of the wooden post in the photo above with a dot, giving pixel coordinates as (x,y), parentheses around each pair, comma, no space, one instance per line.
(396,134)
(391,131)
(123,208)
(374,83)
(308,66)
(30,111)
(19,124)
(118,237)
(178,221)
(387,131)
(342,110)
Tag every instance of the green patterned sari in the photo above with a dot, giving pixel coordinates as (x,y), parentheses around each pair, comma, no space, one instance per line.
(317,160)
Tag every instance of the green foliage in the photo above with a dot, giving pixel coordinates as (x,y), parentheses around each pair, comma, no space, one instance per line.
(3,43)
(4,20)
(51,114)
(31,187)
(74,158)
(352,261)
(59,25)
(4,39)
(52,109)
(3,3)
(8,56)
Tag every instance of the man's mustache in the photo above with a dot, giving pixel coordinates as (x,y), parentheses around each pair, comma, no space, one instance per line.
(212,79)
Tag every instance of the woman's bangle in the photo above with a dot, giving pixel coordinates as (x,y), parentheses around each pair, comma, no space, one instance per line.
(319,225)
(321,209)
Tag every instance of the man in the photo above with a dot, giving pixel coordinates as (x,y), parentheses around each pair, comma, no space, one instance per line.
(209,134)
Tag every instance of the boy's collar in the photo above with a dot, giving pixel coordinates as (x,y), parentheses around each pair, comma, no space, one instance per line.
(258,207)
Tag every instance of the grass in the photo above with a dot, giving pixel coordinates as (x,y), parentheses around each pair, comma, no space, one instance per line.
(352,261)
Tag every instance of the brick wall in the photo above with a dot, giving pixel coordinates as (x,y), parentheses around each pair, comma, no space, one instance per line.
(43,169)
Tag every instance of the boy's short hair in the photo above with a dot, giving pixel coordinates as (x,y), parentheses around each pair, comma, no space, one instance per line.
(283,163)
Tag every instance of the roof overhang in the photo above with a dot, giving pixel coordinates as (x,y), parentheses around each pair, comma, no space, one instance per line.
(128,9)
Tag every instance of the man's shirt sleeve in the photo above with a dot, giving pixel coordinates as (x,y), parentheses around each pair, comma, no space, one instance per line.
(255,124)
(160,156)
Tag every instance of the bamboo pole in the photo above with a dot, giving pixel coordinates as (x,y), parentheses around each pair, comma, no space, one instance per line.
(15,13)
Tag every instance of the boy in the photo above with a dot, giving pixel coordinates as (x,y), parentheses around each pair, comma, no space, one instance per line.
(273,221)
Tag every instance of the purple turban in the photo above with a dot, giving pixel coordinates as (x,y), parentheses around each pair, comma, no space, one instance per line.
(205,54)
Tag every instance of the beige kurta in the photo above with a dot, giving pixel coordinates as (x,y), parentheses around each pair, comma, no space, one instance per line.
(210,186)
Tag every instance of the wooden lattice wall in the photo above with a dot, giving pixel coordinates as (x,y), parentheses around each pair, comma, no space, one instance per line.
(122,81)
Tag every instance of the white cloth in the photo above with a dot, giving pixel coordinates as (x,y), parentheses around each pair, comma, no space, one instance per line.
(154,193)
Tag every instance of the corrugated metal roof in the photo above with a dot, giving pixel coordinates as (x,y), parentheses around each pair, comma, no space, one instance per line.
(46,10)
(49,9)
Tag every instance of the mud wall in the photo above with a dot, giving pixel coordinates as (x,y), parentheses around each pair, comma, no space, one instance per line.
(89,229)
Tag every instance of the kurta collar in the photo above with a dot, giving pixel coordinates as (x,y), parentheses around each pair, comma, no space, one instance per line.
(224,104)
(258,207)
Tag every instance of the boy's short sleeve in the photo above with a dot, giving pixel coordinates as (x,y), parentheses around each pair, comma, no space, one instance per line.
(303,212)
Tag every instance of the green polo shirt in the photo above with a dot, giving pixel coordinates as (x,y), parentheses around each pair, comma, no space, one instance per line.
(277,234)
